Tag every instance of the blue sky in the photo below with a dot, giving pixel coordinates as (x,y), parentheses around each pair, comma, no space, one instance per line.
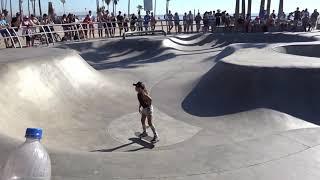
(179,6)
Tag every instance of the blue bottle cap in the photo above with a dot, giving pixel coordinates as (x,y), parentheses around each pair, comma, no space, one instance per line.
(35,133)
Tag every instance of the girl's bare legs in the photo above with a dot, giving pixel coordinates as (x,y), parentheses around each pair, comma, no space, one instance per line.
(152,126)
(143,123)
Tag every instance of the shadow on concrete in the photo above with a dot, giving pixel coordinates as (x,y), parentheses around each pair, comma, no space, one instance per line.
(228,89)
(132,53)
(301,50)
(142,143)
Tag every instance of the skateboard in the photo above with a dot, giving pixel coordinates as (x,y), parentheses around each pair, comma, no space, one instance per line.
(147,139)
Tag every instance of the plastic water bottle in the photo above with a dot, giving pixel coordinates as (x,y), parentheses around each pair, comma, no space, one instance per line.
(30,161)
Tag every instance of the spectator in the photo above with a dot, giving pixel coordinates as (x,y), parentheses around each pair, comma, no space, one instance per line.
(198,20)
(153,22)
(146,21)
(27,32)
(133,22)
(120,19)
(212,20)
(114,24)
(297,18)
(185,22)
(190,19)
(206,23)
(170,21)
(313,19)
(218,18)
(177,23)
(305,20)
(125,23)
(91,24)
(140,22)
(3,29)
(86,22)
(100,23)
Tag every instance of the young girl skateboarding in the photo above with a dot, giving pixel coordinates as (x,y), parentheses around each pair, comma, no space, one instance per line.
(145,102)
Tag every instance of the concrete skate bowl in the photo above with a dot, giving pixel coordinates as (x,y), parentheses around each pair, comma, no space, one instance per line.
(90,117)
(245,80)
(312,50)
(133,52)
(57,90)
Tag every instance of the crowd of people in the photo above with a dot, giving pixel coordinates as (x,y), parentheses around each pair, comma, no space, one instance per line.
(106,23)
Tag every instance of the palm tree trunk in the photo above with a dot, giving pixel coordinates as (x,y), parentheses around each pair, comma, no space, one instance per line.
(34,7)
(280,8)
(113,7)
(237,8)
(249,7)
(40,9)
(243,8)
(29,7)
(167,8)
(268,7)
(11,8)
(97,5)
(262,6)
(128,7)
(20,9)
(155,7)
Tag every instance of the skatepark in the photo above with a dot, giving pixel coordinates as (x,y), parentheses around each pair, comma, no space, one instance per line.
(227,106)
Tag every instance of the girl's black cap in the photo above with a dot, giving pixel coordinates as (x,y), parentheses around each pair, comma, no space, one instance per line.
(139,85)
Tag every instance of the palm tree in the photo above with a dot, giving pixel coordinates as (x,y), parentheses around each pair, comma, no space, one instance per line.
(167,7)
(128,7)
(108,3)
(280,13)
(155,7)
(139,7)
(29,7)
(262,5)
(249,7)
(33,4)
(115,3)
(237,8)
(243,8)
(11,8)
(268,6)
(40,9)
(63,2)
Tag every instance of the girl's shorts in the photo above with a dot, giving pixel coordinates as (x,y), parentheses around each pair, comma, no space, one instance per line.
(147,111)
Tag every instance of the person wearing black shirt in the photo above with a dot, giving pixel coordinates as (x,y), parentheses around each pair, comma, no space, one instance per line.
(145,102)
(218,18)
(120,20)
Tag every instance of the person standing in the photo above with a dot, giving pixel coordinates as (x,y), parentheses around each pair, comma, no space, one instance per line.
(146,21)
(185,23)
(120,20)
(190,22)
(133,22)
(153,22)
(313,19)
(91,24)
(176,19)
(305,20)
(145,102)
(297,18)
(198,20)
(218,18)
(170,22)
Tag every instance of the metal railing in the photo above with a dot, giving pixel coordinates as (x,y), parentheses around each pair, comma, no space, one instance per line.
(54,33)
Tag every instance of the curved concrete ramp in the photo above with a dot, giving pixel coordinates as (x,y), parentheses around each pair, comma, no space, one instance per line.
(311,50)
(246,80)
